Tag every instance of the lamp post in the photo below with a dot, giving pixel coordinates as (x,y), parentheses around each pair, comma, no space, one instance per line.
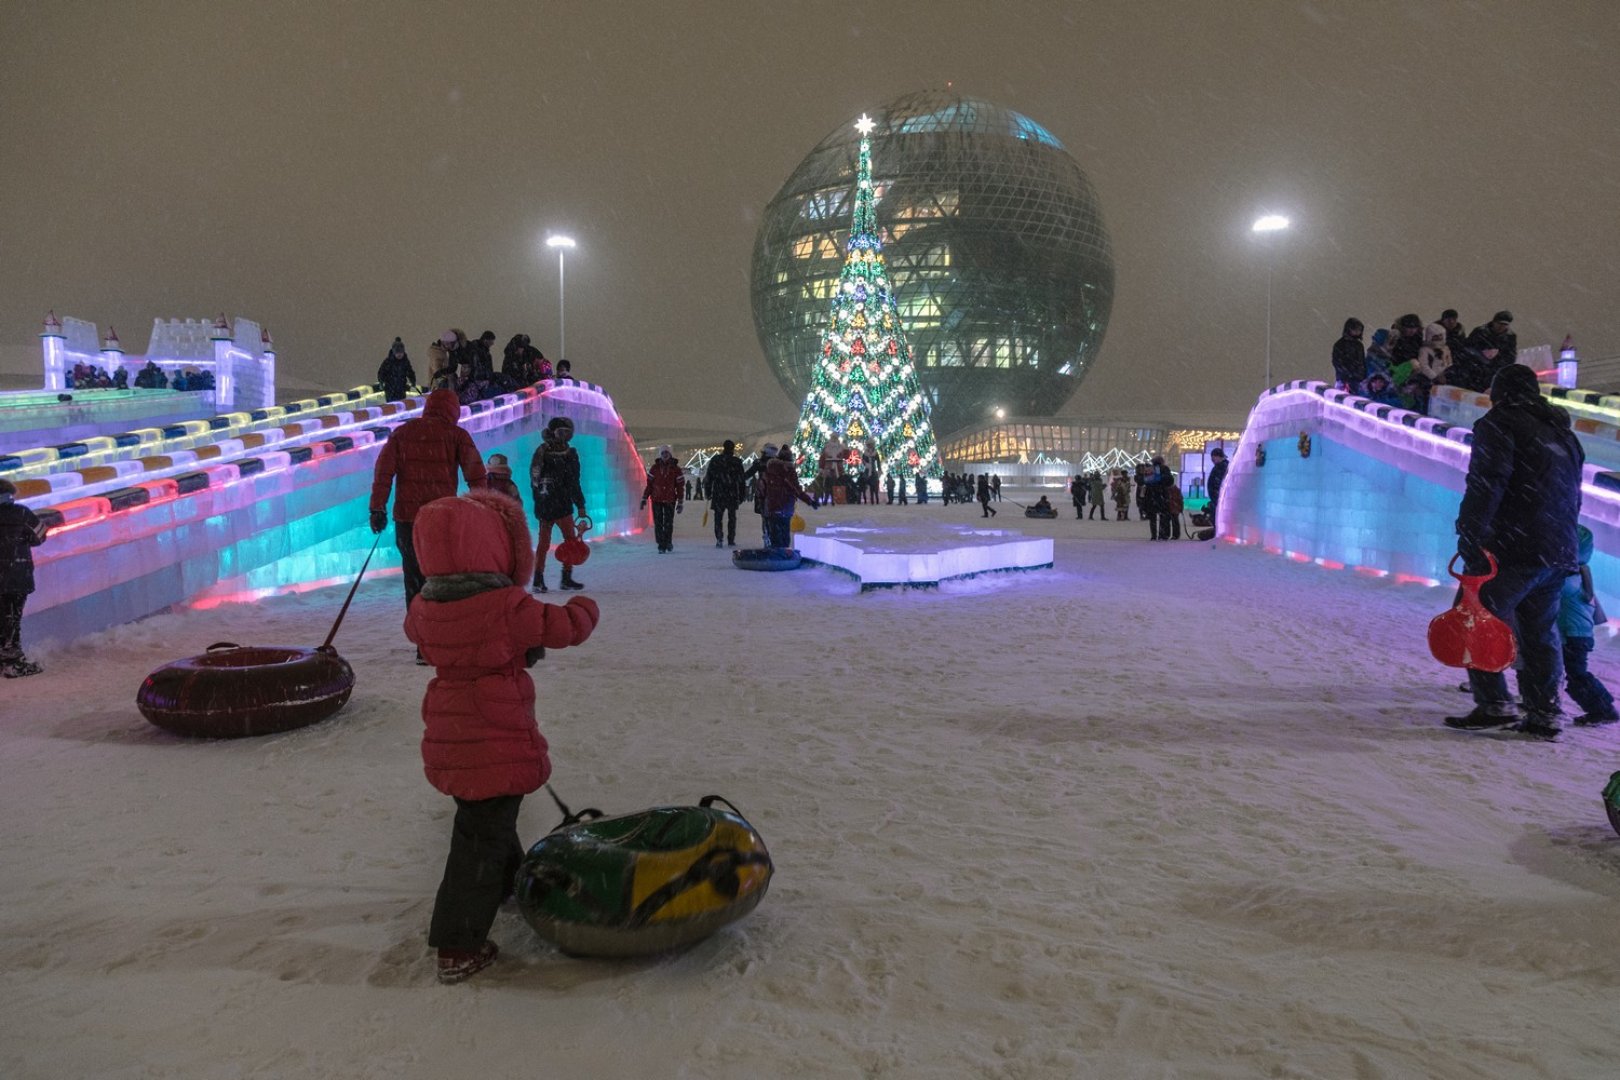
(562,244)
(1269,223)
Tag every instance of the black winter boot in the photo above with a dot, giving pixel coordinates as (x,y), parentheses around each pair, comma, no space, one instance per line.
(568,581)
(540,581)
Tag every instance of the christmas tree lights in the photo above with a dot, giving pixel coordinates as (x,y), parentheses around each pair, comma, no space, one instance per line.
(864,394)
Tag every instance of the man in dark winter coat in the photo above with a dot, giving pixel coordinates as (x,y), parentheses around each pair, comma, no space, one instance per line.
(1408,341)
(1350,357)
(1214,481)
(1521,503)
(723,480)
(20,532)
(1489,349)
(667,490)
(423,454)
(396,373)
(558,496)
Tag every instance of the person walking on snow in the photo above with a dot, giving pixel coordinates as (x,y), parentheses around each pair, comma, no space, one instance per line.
(1214,481)
(667,491)
(558,497)
(476,624)
(985,494)
(723,480)
(1521,501)
(422,455)
(1096,490)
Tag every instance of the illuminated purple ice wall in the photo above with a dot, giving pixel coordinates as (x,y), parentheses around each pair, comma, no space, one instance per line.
(1322,476)
(294,517)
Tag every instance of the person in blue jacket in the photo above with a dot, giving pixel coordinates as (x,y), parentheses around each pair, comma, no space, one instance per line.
(1579,615)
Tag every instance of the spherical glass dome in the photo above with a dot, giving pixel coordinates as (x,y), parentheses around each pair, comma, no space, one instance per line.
(994,242)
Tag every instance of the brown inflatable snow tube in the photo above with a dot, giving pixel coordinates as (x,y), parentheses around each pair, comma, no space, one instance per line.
(234,691)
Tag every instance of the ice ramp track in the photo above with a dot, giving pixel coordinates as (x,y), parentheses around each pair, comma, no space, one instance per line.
(1327,477)
(283,507)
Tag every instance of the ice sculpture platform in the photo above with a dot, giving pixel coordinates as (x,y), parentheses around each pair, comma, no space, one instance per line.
(1330,478)
(885,556)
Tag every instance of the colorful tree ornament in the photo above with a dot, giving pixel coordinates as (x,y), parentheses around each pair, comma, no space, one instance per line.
(878,401)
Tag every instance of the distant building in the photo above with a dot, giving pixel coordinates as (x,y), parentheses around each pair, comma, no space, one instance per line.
(1001,266)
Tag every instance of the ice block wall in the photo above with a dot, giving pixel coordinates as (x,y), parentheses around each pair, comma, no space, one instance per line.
(1322,476)
(36,418)
(298,515)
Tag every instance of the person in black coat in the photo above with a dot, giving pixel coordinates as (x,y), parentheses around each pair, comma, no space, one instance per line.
(1214,481)
(1350,357)
(984,496)
(1488,350)
(724,482)
(396,374)
(554,483)
(1155,500)
(20,532)
(1521,503)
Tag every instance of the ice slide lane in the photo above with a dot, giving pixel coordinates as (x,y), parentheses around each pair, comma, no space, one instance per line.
(1328,477)
(264,520)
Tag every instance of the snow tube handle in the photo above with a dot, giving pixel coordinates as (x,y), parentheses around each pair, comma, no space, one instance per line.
(222,645)
(709,800)
(1451,568)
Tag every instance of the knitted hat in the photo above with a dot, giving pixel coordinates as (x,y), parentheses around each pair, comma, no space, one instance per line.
(1516,382)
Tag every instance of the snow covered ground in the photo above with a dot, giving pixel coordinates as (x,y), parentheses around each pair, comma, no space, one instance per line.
(1161,811)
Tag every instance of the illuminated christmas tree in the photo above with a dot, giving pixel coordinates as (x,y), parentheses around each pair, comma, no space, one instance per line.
(864,393)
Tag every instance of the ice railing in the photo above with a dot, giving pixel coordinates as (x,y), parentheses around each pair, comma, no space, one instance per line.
(1332,478)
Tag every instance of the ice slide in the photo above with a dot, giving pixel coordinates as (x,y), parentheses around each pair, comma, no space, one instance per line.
(1327,477)
(276,498)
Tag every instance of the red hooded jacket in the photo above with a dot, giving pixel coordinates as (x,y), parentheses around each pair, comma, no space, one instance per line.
(480,739)
(782,487)
(424,453)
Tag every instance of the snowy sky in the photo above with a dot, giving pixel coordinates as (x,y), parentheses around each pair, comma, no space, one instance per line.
(345,173)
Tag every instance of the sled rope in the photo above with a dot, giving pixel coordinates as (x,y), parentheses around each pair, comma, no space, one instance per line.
(327,644)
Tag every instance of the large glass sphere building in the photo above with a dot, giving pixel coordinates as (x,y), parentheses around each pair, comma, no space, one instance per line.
(995,246)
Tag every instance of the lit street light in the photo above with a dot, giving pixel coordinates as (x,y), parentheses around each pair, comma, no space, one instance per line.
(562,244)
(1270,223)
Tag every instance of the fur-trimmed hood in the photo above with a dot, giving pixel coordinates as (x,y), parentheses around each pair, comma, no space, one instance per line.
(478,532)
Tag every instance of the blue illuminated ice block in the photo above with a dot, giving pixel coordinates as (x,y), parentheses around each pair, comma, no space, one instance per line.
(261,520)
(1327,477)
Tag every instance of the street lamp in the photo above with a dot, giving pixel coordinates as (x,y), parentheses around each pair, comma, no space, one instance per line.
(1269,223)
(562,244)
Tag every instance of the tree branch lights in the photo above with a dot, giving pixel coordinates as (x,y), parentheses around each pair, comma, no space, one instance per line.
(864,394)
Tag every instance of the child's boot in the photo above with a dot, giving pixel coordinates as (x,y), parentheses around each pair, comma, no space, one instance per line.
(568,581)
(540,580)
(459,965)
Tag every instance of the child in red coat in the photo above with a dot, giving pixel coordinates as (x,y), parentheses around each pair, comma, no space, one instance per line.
(477,624)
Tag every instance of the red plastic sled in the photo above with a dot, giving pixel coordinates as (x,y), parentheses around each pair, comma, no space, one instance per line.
(1468,636)
(574,552)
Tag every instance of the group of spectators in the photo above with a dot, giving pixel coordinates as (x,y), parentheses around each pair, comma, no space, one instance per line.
(467,366)
(1401,366)
(150,377)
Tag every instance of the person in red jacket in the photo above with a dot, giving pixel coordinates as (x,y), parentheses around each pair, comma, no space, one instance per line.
(666,487)
(476,623)
(781,488)
(423,454)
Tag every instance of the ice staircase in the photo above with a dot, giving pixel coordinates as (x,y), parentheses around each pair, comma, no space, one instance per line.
(1331,478)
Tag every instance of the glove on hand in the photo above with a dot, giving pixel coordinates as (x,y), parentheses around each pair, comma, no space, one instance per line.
(379,520)
(679,507)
